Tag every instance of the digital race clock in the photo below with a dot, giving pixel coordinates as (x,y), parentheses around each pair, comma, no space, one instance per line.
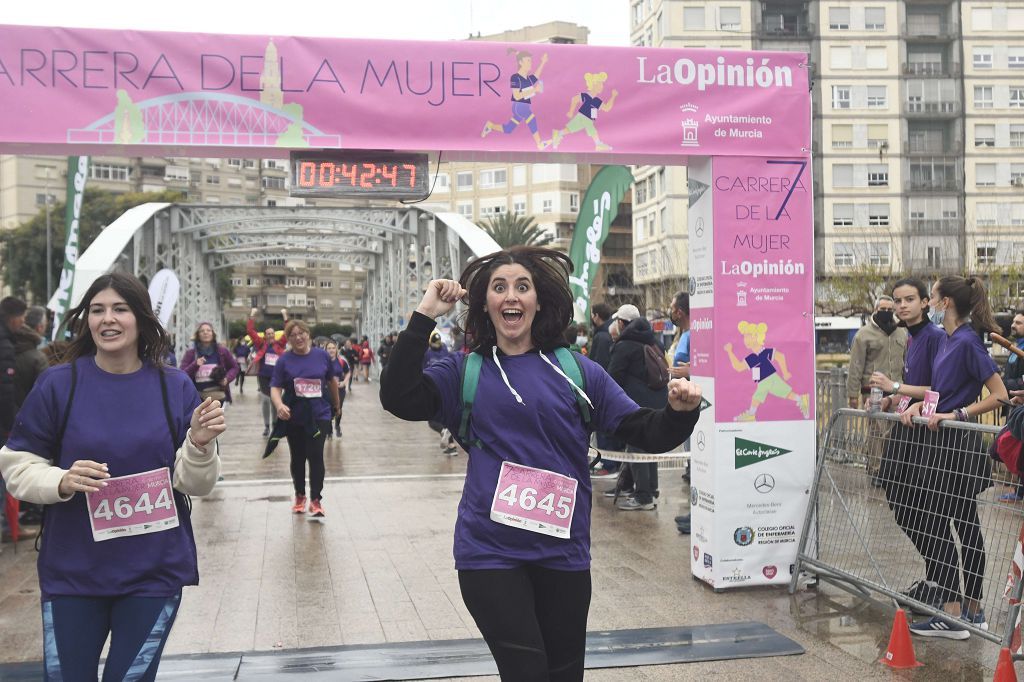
(359,174)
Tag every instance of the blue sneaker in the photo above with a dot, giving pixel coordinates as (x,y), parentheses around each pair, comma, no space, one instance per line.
(936,627)
(977,620)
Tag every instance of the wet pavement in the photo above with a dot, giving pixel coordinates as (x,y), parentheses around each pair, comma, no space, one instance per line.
(379,568)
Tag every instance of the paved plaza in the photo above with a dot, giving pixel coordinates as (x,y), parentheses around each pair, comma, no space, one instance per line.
(379,567)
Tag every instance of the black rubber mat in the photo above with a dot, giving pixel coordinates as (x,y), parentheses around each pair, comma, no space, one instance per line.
(464,657)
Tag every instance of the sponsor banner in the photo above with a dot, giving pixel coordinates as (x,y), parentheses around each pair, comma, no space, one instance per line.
(752,330)
(78,173)
(163,293)
(153,92)
(598,210)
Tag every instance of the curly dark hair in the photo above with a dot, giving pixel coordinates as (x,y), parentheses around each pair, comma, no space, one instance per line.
(153,340)
(550,272)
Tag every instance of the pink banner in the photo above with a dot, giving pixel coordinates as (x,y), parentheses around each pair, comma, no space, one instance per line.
(71,90)
(764,289)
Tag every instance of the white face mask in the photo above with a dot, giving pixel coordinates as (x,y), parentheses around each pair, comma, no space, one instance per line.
(937,316)
(581,340)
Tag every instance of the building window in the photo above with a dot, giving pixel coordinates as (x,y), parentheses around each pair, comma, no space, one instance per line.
(878,134)
(44,199)
(641,229)
(729,19)
(1017,174)
(986,215)
(842,215)
(984,135)
(841,58)
(518,175)
(878,175)
(839,18)
(982,58)
(495,210)
(983,96)
(877,96)
(693,18)
(1016,135)
(842,136)
(878,215)
(546,206)
(275,262)
(878,254)
(248,163)
(1016,96)
(105,171)
(843,255)
(877,58)
(874,18)
(235,163)
(638,13)
(464,181)
(326,284)
(985,175)
(1015,59)
(981,18)
(441,183)
(934,256)
(269,182)
(840,96)
(212,179)
(574,202)
(465,209)
(986,254)
(497,177)
(842,175)
(519,207)
(640,193)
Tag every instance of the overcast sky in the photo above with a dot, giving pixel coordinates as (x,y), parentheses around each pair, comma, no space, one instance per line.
(608,20)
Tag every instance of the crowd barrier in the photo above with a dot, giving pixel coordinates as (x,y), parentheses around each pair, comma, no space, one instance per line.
(892,505)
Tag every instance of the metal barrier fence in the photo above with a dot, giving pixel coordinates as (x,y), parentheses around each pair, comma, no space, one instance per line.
(830,395)
(928,512)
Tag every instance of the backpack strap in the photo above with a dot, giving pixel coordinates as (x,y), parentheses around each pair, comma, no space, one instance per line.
(470,380)
(187,499)
(570,364)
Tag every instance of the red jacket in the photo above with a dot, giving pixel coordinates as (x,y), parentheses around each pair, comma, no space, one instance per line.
(259,344)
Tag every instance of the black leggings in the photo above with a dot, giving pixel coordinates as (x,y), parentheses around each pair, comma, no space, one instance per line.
(533,619)
(941,549)
(304,447)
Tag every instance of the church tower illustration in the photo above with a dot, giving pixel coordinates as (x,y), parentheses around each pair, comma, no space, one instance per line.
(270,79)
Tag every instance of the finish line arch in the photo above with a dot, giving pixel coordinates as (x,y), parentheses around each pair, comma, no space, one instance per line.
(400,249)
(740,121)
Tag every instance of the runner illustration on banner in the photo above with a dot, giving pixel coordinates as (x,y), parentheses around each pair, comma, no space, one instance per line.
(764,364)
(587,105)
(525,86)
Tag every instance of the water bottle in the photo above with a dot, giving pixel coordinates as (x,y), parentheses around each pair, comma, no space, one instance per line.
(875,400)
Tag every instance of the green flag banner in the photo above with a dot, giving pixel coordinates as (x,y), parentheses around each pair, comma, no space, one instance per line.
(598,210)
(78,170)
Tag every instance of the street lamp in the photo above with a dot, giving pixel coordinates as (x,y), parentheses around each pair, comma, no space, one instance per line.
(49,246)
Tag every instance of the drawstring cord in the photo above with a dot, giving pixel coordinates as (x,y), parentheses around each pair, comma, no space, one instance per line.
(519,398)
(494,354)
(563,375)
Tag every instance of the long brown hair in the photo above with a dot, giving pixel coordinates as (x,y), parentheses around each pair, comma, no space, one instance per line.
(550,272)
(970,300)
(153,340)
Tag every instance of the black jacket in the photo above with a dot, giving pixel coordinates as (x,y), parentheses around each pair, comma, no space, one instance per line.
(628,368)
(7,407)
(29,362)
(1013,375)
(600,350)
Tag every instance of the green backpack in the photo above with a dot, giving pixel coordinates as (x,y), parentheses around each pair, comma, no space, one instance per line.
(568,361)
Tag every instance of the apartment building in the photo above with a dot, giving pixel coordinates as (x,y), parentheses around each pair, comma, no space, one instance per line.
(917,127)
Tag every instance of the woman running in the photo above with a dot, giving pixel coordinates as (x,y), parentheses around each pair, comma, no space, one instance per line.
(112,441)
(525,86)
(343,371)
(587,105)
(305,394)
(522,539)
(266,350)
(210,365)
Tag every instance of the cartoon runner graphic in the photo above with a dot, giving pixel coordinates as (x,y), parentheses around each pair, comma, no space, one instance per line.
(759,361)
(524,86)
(586,105)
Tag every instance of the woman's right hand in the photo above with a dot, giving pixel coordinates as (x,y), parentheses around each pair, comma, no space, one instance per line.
(252,313)
(879,380)
(907,417)
(84,476)
(440,297)
(283,412)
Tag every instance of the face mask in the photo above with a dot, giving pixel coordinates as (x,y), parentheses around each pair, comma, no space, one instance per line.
(937,316)
(581,340)
(883,317)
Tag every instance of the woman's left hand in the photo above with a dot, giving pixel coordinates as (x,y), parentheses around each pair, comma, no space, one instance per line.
(207,422)
(683,395)
(938,418)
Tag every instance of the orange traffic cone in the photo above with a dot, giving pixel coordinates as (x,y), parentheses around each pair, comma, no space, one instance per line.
(900,654)
(1004,668)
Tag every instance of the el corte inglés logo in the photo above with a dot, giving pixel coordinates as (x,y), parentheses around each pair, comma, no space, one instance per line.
(751,452)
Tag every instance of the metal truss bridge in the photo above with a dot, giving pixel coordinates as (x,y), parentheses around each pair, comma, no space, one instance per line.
(400,249)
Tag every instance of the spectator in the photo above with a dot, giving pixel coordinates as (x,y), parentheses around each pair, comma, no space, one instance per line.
(12,317)
(571,333)
(959,467)
(879,346)
(679,352)
(36,319)
(436,352)
(601,353)
(29,361)
(384,351)
(1013,379)
(629,370)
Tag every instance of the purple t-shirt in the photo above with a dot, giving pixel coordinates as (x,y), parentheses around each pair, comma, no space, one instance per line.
(960,369)
(545,432)
(762,360)
(922,347)
(518,82)
(118,419)
(340,367)
(314,366)
(589,105)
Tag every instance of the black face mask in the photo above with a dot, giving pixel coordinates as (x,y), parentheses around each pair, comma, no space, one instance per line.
(884,319)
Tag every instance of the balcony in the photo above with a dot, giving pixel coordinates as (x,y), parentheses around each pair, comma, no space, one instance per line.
(935,226)
(939,109)
(786,29)
(925,30)
(932,185)
(931,70)
(932,149)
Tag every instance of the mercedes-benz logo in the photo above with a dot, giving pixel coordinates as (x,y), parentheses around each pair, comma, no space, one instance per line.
(699,228)
(764,483)
(700,440)
(692,287)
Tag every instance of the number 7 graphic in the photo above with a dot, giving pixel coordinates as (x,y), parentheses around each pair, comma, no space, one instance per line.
(796,180)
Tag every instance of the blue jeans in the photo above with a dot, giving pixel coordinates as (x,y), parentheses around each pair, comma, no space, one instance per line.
(606,441)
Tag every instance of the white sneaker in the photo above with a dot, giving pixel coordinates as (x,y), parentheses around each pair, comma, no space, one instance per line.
(446,439)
